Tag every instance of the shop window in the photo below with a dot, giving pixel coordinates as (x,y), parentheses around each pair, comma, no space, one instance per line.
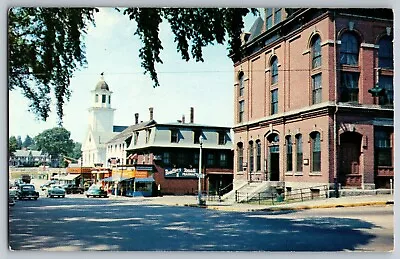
(289,154)
(251,156)
(383,147)
(258,155)
(299,153)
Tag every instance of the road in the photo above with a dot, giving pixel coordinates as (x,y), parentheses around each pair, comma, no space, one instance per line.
(79,224)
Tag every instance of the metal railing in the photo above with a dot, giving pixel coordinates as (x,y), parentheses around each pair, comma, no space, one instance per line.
(275,197)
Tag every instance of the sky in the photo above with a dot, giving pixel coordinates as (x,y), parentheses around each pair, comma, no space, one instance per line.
(112,48)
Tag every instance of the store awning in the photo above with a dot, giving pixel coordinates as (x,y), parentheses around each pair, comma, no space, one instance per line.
(144,180)
(68,177)
(114,179)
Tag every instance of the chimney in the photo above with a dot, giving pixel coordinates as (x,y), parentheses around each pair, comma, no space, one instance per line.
(151,113)
(136,118)
(183,118)
(191,115)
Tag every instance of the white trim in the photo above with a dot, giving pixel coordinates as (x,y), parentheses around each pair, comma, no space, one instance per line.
(339,42)
(368,45)
(307,51)
(245,79)
(327,42)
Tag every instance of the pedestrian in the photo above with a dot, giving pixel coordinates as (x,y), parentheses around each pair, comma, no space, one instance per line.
(159,190)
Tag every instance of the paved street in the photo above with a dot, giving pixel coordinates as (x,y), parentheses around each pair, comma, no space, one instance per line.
(76,223)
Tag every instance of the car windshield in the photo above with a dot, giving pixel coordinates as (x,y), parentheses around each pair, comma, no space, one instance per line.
(28,187)
(57,187)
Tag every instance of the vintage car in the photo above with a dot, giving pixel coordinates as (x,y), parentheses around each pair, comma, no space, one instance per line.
(71,188)
(55,190)
(27,191)
(96,191)
(45,186)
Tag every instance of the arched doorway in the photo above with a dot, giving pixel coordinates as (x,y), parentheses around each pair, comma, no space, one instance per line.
(349,159)
(273,157)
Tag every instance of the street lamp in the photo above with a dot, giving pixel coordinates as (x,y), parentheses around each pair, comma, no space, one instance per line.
(199,189)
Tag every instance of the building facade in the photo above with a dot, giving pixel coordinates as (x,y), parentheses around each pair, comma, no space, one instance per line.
(314,99)
(169,153)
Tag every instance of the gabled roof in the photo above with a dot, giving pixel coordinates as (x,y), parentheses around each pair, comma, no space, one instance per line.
(126,133)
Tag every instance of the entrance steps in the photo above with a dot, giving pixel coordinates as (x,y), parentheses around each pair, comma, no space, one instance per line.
(247,190)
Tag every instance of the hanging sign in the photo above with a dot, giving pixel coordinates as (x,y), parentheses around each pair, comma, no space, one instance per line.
(181,173)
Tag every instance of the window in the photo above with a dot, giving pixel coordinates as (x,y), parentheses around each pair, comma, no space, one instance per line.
(274,70)
(274,101)
(109,99)
(385,53)
(386,82)
(251,156)
(196,136)
(241,111)
(349,49)
(181,159)
(258,155)
(166,158)
(268,18)
(222,160)
(174,136)
(316,52)
(383,147)
(289,154)
(241,84)
(148,133)
(196,158)
(299,153)
(316,89)
(103,98)
(240,156)
(349,87)
(221,138)
(278,15)
(96,98)
(135,138)
(316,152)
(210,159)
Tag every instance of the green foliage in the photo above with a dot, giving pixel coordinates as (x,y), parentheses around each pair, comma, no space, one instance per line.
(27,142)
(46,46)
(55,142)
(12,145)
(19,142)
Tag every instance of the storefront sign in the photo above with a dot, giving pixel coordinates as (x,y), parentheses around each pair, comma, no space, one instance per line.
(144,168)
(181,173)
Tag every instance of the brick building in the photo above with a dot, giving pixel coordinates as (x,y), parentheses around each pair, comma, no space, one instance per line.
(169,154)
(314,99)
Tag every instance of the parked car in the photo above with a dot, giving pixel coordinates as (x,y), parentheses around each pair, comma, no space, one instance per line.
(27,191)
(55,190)
(96,191)
(47,185)
(71,188)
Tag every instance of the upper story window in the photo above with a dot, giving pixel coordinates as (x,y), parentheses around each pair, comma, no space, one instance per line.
(148,133)
(274,70)
(241,83)
(96,98)
(386,82)
(241,111)
(316,88)
(174,136)
(385,53)
(274,101)
(349,49)
(349,86)
(196,135)
(221,138)
(268,18)
(210,159)
(103,98)
(135,138)
(278,15)
(223,162)
(316,52)
(109,99)
(166,158)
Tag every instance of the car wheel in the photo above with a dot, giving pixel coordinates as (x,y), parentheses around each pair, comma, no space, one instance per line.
(35,198)
(88,196)
(63,196)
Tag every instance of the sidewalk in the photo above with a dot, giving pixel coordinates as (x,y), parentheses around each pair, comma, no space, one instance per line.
(346,201)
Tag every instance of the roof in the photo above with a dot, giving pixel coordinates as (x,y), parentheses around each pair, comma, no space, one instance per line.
(102,85)
(129,130)
(256,28)
(189,125)
(119,128)
(25,153)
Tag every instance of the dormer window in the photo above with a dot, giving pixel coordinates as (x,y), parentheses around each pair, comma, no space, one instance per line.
(197,135)
(174,136)
(96,98)
(103,98)
(221,138)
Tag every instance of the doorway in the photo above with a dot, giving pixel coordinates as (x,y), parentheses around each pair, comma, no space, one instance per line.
(350,152)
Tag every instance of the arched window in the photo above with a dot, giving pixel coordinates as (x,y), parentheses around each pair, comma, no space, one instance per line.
(316,152)
(299,153)
(251,156)
(274,70)
(240,156)
(316,52)
(289,154)
(241,83)
(258,155)
(349,49)
(385,53)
